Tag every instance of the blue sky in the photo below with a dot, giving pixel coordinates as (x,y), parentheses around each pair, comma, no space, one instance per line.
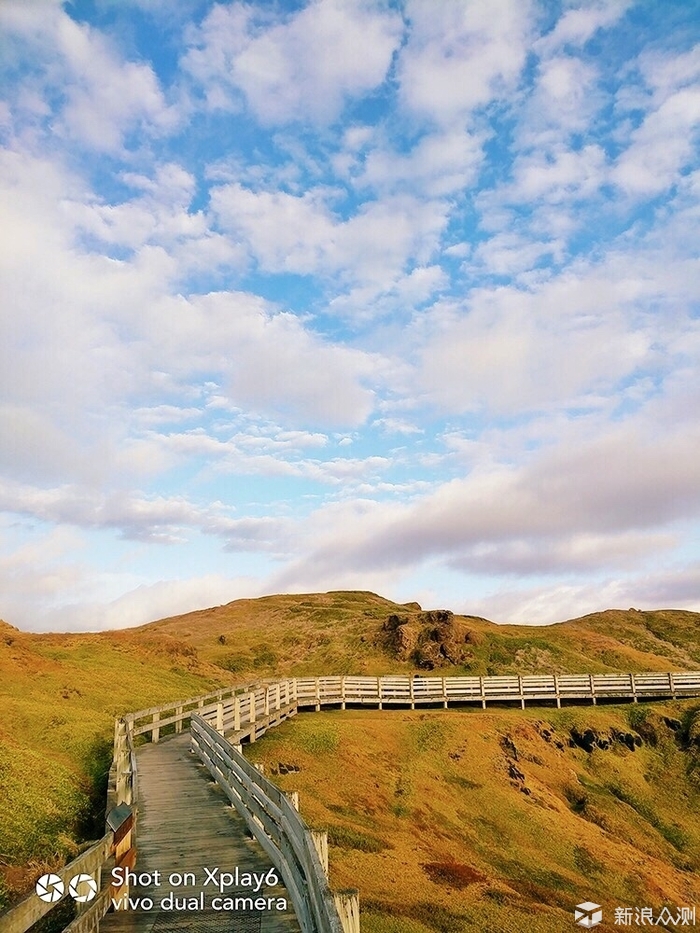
(398,296)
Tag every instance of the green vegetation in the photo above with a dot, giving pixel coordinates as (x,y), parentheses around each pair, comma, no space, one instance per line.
(399,791)
(59,696)
(465,844)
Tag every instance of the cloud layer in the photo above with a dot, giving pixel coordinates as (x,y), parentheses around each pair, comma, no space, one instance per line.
(400,296)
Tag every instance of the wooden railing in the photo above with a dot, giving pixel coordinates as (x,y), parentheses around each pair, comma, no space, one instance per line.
(416,690)
(220,721)
(300,855)
(32,908)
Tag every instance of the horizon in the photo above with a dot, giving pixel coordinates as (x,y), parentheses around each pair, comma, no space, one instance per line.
(388,296)
(409,603)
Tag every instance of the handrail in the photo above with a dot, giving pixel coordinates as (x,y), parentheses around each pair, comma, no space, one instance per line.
(277,826)
(246,711)
(31,909)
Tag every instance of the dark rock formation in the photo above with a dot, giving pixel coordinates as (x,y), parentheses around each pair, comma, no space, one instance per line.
(430,639)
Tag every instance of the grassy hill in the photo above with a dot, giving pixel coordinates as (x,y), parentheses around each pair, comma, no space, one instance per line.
(470,820)
(446,821)
(357,632)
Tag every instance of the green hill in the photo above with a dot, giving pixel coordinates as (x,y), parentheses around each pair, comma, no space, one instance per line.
(500,832)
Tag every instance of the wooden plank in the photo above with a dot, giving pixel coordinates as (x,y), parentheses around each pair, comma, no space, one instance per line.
(185,824)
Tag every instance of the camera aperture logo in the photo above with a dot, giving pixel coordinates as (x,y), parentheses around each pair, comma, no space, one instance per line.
(50,888)
(82,888)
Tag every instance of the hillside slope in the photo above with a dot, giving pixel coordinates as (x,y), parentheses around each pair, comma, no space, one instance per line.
(461,821)
(59,693)
(357,632)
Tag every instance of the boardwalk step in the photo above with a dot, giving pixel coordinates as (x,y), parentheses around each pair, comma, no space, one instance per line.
(207,921)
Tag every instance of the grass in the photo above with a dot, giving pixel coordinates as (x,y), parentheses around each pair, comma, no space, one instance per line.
(399,790)
(461,847)
(58,699)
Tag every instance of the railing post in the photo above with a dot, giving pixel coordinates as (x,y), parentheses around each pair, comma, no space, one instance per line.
(220,717)
(252,713)
(348,906)
(121,760)
(155,731)
(320,841)
(483,693)
(522,695)
(266,707)
(410,692)
(237,714)
(342,692)
(293,798)
(671,685)
(444,693)
(178,722)
(556,690)
(633,688)
(379,693)
(592,686)
(278,695)
(318,694)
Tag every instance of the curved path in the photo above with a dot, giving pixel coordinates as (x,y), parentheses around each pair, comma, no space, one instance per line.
(185,824)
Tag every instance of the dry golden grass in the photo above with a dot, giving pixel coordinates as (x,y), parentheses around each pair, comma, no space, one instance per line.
(60,693)
(427,820)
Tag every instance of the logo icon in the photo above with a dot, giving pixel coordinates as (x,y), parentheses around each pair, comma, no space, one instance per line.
(588,914)
(50,888)
(82,888)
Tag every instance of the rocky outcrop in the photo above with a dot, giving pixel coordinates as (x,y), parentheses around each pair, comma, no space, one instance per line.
(591,739)
(430,639)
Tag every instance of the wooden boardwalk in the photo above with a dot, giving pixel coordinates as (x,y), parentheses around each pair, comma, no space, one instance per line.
(185,824)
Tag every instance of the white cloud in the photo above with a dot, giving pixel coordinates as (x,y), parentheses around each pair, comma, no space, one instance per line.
(439,164)
(510,253)
(105,97)
(160,600)
(581,23)
(460,56)
(661,146)
(304,68)
(289,233)
(272,363)
(561,175)
(284,232)
(596,497)
(158,519)
(660,587)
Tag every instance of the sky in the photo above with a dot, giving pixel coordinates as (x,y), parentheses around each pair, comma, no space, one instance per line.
(397,296)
